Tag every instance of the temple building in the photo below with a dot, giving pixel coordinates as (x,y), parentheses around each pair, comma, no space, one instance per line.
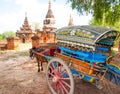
(25,33)
(49,21)
(45,35)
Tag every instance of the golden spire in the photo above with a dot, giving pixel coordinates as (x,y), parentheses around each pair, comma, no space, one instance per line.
(49,13)
(49,4)
(26,19)
(70,21)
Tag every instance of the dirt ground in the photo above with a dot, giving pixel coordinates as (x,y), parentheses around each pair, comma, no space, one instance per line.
(18,75)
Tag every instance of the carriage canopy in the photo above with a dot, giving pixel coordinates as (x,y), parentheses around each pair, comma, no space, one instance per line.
(87,35)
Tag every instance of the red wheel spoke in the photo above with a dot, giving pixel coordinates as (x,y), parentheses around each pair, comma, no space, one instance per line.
(53,65)
(62,86)
(52,69)
(60,68)
(54,86)
(57,67)
(64,72)
(59,77)
(50,74)
(65,83)
(58,89)
(64,78)
(61,89)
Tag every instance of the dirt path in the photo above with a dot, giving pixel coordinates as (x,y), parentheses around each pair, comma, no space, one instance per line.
(18,75)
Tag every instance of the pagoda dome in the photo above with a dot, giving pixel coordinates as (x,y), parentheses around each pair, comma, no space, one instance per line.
(49,14)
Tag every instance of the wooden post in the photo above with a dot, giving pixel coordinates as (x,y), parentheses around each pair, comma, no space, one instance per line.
(12,43)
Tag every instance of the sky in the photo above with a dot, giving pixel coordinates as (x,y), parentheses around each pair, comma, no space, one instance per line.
(12,13)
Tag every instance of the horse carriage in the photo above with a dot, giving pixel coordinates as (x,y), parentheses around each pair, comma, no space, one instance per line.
(81,51)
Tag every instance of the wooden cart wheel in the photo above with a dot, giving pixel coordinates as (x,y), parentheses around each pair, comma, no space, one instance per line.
(59,77)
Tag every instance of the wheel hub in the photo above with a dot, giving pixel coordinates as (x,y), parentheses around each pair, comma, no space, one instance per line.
(55,79)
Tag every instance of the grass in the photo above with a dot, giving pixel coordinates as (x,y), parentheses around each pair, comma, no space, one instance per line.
(24,54)
(15,55)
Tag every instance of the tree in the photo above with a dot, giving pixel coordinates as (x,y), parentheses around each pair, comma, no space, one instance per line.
(1,37)
(104,12)
(36,25)
(7,34)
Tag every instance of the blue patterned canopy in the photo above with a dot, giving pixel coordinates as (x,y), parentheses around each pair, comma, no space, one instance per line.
(89,35)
